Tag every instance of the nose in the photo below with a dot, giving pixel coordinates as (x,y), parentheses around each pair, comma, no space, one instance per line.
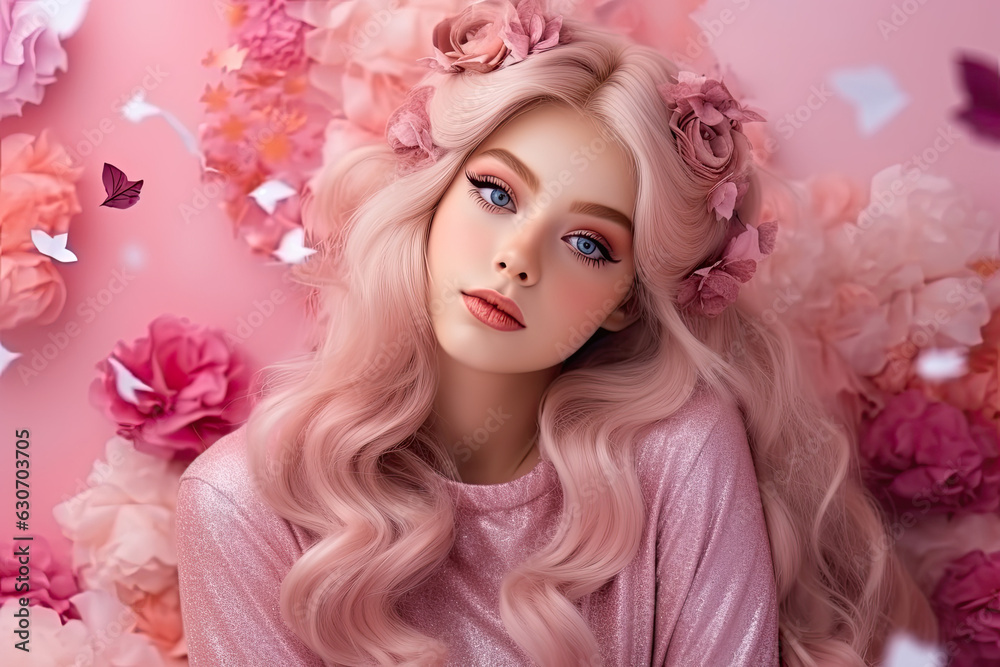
(517,257)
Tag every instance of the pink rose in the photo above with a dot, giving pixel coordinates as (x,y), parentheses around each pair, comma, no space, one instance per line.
(966,602)
(409,131)
(31,290)
(706,122)
(492,34)
(931,456)
(50,583)
(30,52)
(199,383)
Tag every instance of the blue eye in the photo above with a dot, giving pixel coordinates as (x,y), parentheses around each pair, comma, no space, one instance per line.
(499,196)
(588,246)
(589,249)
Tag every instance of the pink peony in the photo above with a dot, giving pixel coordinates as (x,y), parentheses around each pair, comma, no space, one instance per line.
(31,290)
(50,584)
(491,34)
(274,39)
(931,456)
(967,604)
(706,122)
(199,383)
(409,131)
(30,52)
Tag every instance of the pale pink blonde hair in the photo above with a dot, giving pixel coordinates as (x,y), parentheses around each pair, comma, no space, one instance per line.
(338,444)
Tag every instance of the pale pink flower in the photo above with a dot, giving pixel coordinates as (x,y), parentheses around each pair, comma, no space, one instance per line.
(103,637)
(408,131)
(30,53)
(122,525)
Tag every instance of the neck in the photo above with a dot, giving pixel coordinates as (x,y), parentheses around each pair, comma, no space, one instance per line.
(488,422)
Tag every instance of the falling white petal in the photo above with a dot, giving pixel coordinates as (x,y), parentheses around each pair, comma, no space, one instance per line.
(904,651)
(938,365)
(126,383)
(269,193)
(138,109)
(52,246)
(6,357)
(291,249)
(874,93)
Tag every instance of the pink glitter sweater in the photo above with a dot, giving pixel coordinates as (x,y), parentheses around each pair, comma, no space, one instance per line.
(700,590)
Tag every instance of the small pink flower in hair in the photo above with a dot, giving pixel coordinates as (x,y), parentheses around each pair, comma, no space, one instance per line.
(706,122)
(491,34)
(408,131)
(711,289)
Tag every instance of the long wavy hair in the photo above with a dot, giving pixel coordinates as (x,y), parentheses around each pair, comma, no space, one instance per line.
(338,443)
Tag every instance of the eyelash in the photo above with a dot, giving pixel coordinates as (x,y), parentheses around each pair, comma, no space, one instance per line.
(491,181)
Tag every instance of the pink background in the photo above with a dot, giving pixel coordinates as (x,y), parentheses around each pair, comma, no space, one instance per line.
(779,49)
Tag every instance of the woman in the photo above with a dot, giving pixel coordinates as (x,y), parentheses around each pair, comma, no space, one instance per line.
(537,429)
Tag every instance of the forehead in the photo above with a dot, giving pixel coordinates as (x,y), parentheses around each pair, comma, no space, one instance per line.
(554,139)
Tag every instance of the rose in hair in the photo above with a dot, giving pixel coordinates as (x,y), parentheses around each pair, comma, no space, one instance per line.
(492,34)
(409,131)
(707,121)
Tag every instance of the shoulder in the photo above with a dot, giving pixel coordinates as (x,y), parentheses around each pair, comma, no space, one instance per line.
(219,482)
(707,431)
(223,466)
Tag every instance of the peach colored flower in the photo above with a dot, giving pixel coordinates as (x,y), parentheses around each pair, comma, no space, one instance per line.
(199,381)
(366,53)
(31,289)
(159,618)
(491,34)
(38,189)
(122,526)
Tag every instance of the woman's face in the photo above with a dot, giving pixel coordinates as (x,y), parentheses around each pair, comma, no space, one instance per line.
(540,213)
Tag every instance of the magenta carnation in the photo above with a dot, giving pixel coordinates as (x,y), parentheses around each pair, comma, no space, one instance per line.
(967,604)
(931,456)
(199,382)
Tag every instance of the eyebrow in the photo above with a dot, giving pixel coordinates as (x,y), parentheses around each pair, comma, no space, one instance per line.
(529,177)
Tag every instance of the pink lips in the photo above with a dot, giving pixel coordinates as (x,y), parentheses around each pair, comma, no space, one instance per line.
(494,309)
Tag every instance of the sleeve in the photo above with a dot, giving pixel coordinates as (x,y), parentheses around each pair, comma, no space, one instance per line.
(230,570)
(713,552)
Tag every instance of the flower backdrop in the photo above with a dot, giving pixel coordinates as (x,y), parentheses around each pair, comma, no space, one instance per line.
(890,287)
